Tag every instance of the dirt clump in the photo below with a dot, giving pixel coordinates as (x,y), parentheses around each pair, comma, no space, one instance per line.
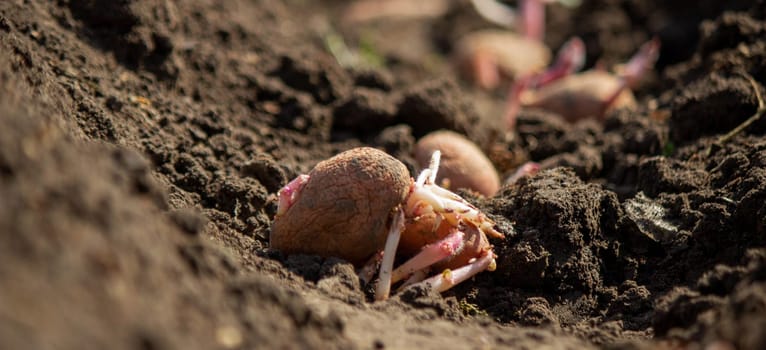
(143,145)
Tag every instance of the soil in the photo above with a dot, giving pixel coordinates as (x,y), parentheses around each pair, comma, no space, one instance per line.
(143,143)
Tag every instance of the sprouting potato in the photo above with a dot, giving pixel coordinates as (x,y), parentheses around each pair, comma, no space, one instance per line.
(489,56)
(589,94)
(362,206)
(463,164)
(343,207)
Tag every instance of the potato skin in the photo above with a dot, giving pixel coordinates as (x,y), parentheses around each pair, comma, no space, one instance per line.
(515,55)
(344,208)
(580,96)
(462,162)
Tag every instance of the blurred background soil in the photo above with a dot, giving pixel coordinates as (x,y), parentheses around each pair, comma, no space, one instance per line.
(142,144)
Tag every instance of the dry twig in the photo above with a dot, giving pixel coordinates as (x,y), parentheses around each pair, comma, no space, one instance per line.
(757,115)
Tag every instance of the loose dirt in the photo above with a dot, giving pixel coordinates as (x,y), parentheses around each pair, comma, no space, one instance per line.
(143,143)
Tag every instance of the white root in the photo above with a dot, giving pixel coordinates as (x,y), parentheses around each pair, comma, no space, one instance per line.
(449,278)
(416,277)
(450,205)
(427,198)
(383,288)
(430,254)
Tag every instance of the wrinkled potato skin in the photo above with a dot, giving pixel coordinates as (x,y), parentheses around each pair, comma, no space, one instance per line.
(344,208)
(462,162)
(580,96)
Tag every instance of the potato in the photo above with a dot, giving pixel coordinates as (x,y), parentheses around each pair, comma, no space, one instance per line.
(463,164)
(344,208)
(486,56)
(580,96)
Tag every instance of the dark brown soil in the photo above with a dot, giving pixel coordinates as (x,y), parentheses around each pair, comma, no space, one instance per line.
(142,144)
